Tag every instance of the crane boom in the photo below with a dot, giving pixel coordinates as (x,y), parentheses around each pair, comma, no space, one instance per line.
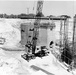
(39,7)
(36,25)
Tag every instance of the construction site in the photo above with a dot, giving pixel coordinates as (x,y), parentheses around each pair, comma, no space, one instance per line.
(35,44)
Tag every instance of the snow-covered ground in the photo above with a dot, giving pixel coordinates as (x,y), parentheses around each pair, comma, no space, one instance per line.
(11,63)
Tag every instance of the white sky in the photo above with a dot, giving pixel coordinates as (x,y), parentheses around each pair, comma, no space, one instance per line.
(49,7)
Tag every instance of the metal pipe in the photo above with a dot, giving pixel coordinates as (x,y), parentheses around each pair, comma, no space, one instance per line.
(60,36)
(73,34)
(44,18)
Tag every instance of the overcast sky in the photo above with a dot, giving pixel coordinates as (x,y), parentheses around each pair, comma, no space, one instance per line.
(49,7)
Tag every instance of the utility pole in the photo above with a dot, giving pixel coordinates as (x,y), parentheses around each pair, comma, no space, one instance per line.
(27,10)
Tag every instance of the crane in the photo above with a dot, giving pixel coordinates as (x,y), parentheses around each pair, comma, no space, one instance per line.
(36,25)
(35,33)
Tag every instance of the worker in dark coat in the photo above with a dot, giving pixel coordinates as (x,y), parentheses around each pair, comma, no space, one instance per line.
(51,44)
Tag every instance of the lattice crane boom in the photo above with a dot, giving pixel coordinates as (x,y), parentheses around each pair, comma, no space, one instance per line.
(39,7)
(36,25)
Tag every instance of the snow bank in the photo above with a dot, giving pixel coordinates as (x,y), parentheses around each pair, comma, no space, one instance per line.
(12,66)
(10,31)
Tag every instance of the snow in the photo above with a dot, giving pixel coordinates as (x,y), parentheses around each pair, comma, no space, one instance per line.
(10,31)
(12,63)
(50,64)
(39,73)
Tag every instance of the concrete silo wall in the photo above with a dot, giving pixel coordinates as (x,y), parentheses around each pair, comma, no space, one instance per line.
(42,40)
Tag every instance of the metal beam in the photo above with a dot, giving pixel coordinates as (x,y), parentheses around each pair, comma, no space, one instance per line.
(44,18)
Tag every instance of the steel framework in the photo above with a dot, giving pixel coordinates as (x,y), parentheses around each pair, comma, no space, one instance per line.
(36,24)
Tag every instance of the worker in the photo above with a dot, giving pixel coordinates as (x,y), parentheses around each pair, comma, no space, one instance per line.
(51,44)
(28,45)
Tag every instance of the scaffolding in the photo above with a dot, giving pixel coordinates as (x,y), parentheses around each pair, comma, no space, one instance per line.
(74,42)
(66,52)
(65,46)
